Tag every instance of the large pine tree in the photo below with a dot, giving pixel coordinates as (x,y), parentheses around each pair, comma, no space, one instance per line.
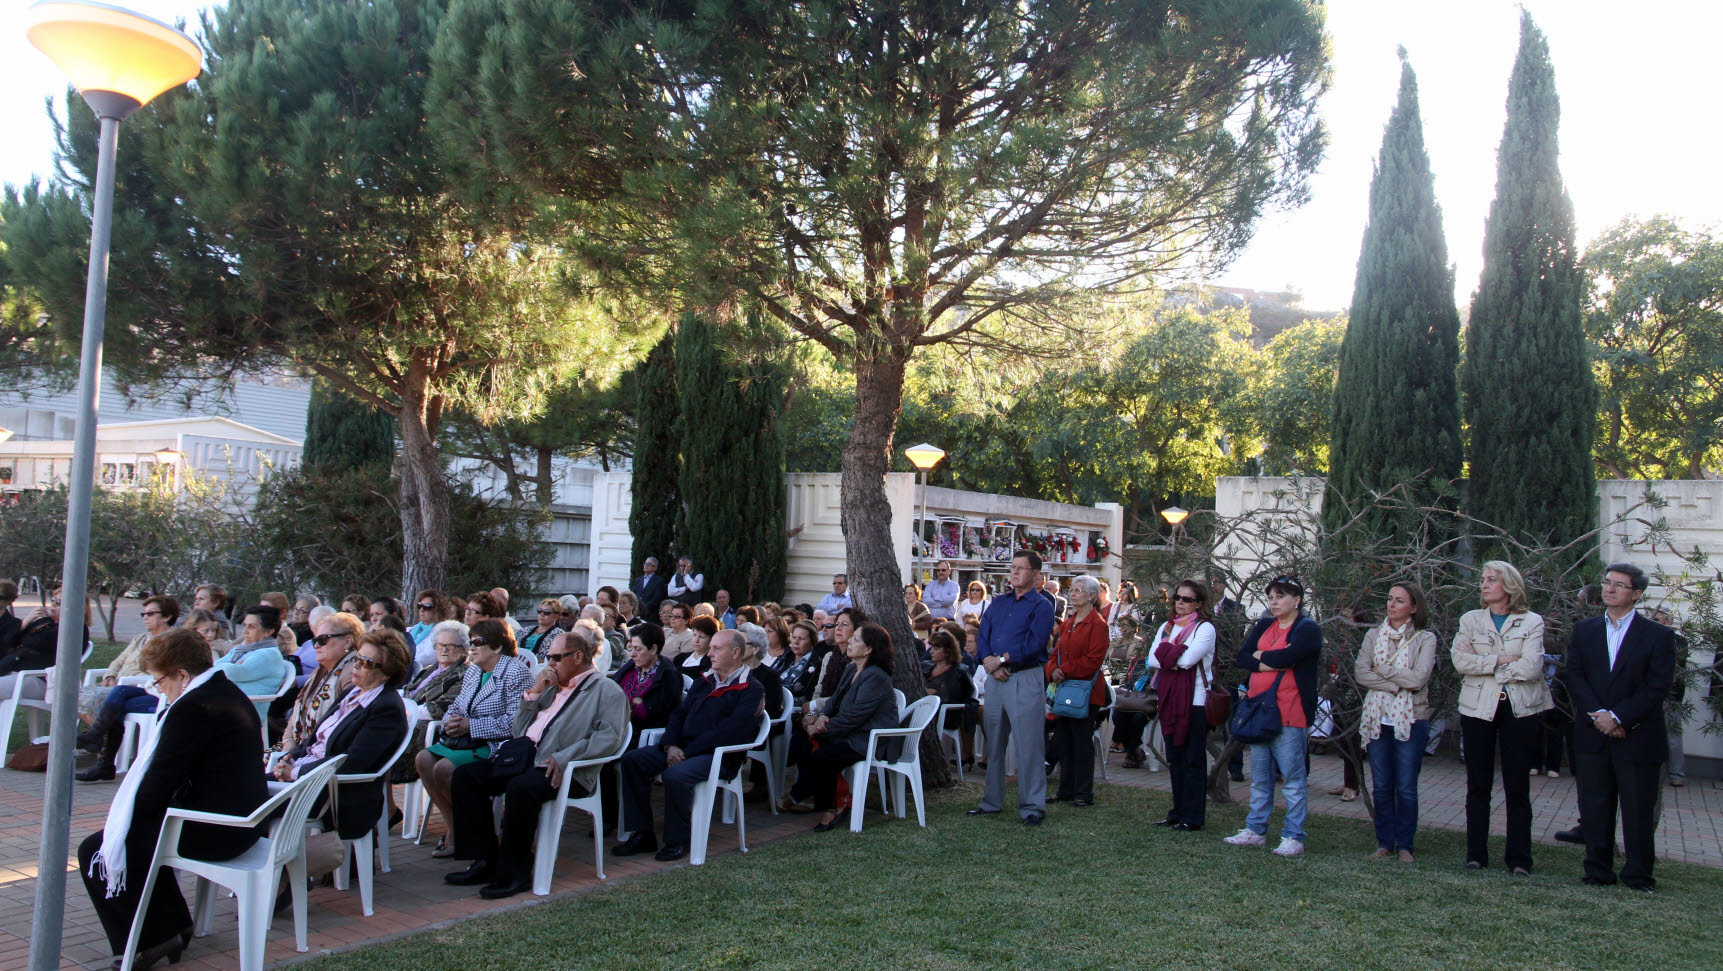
(1396,410)
(657,460)
(1530,399)
(345,433)
(732,392)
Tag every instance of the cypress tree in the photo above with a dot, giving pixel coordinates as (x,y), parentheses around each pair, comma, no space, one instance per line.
(1530,399)
(345,433)
(732,392)
(1396,406)
(657,460)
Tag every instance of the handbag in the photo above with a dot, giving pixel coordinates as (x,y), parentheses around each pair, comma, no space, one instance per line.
(1215,703)
(512,757)
(1257,717)
(1070,697)
(1139,698)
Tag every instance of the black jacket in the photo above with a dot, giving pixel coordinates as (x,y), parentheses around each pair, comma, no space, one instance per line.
(367,736)
(1634,690)
(1301,656)
(660,700)
(862,703)
(650,588)
(207,758)
(37,642)
(10,628)
(709,717)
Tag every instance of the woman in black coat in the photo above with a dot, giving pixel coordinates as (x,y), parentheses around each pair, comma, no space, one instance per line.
(649,679)
(862,702)
(203,756)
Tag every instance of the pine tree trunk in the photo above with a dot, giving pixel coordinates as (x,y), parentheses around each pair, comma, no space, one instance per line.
(546,493)
(424,493)
(875,582)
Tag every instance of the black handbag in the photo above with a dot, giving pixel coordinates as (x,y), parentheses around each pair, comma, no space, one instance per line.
(1257,718)
(513,757)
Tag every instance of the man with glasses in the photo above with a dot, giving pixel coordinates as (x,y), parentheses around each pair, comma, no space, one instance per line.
(571,712)
(942,594)
(649,588)
(1012,646)
(838,599)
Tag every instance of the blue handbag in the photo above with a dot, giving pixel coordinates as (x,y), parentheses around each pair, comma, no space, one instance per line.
(1071,698)
(1257,717)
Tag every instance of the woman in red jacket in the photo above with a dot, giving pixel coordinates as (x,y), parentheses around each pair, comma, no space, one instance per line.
(1079,647)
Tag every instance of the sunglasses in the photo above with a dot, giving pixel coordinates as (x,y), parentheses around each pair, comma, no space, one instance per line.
(553,658)
(1289,582)
(542,610)
(427,606)
(366,662)
(1181,598)
(149,613)
(478,642)
(322,639)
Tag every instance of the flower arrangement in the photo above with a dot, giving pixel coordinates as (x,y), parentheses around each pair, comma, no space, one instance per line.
(950,541)
(1099,549)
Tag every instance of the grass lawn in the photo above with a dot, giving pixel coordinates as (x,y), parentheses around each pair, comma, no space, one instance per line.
(1093,888)
(101,655)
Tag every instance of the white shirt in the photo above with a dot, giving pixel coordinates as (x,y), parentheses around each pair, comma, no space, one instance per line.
(1614,632)
(965,608)
(682,585)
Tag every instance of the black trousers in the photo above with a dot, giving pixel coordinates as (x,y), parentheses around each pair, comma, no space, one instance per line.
(470,793)
(1557,728)
(1187,765)
(1515,738)
(1128,729)
(1072,748)
(1607,780)
(167,914)
(817,780)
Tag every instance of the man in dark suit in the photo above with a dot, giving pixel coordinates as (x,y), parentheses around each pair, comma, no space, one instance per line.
(1050,590)
(650,588)
(1619,667)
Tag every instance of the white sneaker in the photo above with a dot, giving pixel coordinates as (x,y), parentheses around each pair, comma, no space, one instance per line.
(1245,837)
(1289,847)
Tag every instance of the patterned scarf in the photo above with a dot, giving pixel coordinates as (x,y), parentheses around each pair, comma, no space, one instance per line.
(1391,707)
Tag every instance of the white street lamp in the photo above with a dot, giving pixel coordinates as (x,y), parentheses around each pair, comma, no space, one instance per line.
(924,457)
(1174,517)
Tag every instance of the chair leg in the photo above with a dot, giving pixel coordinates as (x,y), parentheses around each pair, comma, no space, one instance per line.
(597,840)
(700,830)
(8,711)
(341,881)
(255,906)
(363,844)
(550,817)
(741,817)
(1101,745)
(383,839)
(411,815)
(203,907)
(898,779)
(858,794)
(920,800)
(296,881)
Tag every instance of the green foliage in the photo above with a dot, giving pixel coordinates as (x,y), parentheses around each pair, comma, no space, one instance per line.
(657,471)
(1655,323)
(33,533)
(1530,399)
(732,481)
(344,433)
(1396,409)
(1291,392)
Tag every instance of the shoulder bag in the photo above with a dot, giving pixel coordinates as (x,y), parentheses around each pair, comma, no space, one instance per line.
(1070,697)
(1257,718)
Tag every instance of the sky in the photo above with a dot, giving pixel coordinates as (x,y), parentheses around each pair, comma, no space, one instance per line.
(1638,84)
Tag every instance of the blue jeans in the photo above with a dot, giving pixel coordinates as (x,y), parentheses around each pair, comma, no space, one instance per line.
(131,699)
(1286,752)
(1394,769)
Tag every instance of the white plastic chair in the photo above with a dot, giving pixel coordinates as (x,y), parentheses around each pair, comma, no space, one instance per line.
(551,816)
(35,709)
(361,847)
(902,703)
(705,793)
(287,683)
(415,801)
(775,756)
(252,876)
(954,734)
(907,766)
(1104,730)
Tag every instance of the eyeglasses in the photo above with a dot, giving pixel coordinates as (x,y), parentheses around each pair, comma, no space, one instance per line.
(157,683)
(322,639)
(478,642)
(54,602)
(553,658)
(1616,585)
(1181,598)
(366,662)
(444,646)
(149,613)
(427,606)
(543,610)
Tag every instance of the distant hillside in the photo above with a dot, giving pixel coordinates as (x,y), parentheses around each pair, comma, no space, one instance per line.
(1270,313)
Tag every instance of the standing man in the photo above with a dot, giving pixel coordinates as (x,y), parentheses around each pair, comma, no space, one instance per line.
(1012,646)
(686,585)
(839,598)
(649,588)
(726,614)
(942,594)
(1619,667)
(1050,590)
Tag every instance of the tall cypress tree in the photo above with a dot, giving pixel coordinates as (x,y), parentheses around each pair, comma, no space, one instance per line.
(1530,398)
(657,459)
(732,391)
(345,433)
(1396,409)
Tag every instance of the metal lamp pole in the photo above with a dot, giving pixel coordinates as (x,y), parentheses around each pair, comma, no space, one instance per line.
(924,457)
(118,61)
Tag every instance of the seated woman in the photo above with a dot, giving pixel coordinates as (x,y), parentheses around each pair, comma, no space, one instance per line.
(952,683)
(256,664)
(366,725)
(104,706)
(37,639)
(429,608)
(203,756)
(862,702)
(482,713)
(337,637)
(535,641)
(434,689)
(777,656)
(695,662)
(209,625)
(678,636)
(802,671)
(650,682)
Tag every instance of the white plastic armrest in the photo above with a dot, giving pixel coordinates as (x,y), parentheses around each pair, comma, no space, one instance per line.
(875,736)
(588,763)
(258,815)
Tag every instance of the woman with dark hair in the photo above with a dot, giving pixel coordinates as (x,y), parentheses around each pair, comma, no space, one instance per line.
(678,637)
(358,605)
(483,606)
(1393,669)
(256,663)
(802,671)
(952,683)
(920,617)
(429,608)
(844,626)
(777,656)
(1284,642)
(862,702)
(695,662)
(386,607)
(651,683)
(1183,656)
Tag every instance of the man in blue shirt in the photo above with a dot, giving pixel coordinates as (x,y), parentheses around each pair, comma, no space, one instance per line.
(839,598)
(1012,646)
(942,593)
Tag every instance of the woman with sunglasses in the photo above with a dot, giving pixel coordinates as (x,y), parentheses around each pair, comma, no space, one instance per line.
(334,640)
(482,713)
(536,640)
(1283,643)
(430,607)
(1183,655)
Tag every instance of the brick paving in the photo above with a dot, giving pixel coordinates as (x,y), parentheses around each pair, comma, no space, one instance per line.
(413,897)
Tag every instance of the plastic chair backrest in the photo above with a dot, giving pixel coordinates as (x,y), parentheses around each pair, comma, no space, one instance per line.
(918,717)
(901,702)
(789,707)
(388,763)
(290,829)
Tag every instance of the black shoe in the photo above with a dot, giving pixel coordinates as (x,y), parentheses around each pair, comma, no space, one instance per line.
(1235,776)
(1595,882)
(635,845)
(674,851)
(479,872)
(498,891)
(1185,828)
(171,949)
(102,771)
(1642,887)
(1082,803)
(1166,822)
(982,812)
(1033,819)
(1570,836)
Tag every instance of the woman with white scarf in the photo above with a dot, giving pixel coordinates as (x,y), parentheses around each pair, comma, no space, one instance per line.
(1393,670)
(204,755)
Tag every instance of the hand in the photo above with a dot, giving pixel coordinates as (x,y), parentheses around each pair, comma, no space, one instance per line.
(1058,675)
(454,724)
(37,614)
(674,755)
(1617,732)
(1502,659)
(284,769)
(992,663)
(110,682)
(546,678)
(1001,673)
(553,773)
(1606,723)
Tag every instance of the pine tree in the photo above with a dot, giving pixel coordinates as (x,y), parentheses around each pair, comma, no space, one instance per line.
(657,460)
(732,393)
(344,433)
(1396,409)
(1530,399)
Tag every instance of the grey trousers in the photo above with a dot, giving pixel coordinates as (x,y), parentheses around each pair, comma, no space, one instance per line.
(1015,711)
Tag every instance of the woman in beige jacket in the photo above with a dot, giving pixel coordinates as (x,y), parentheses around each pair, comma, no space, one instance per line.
(1499,651)
(1393,670)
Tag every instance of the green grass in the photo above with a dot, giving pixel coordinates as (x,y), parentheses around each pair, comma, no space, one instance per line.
(1093,888)
(101,655)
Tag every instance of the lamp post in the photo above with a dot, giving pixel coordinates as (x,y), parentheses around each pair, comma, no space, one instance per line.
(924,457)
(118,60)
(169,458)
(1174,517)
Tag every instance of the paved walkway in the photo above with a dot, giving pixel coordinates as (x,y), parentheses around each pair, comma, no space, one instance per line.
(413,896)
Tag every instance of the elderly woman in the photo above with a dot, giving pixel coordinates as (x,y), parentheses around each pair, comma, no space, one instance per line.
(210,748)
(106,705)
(920,617)
(862,702)
(1393,669)
(1079,647)
(1499,652)
(628,610)
(37,639)
(429,609)
(695,662)
(832,666)
(534,641)
(800,674)
(951,682)
(482,713)
(650,681)
(434,689)
(334,640)
(256,663)
(1183,654)
(678,636)
(1285,642)
(777,656)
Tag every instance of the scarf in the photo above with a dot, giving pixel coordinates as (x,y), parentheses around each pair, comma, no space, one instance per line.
(110,860)
(1389,707)
(316,695)
(1174,687)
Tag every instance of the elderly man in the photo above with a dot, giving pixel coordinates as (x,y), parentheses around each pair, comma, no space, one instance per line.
(839,598)
(942,592)
(1012,646)
(649,588)
(723,708)
(502,597)
(722,611)
(1050,590)
(572,711)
